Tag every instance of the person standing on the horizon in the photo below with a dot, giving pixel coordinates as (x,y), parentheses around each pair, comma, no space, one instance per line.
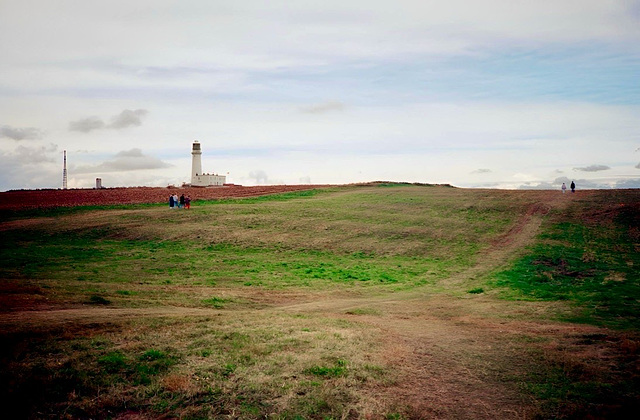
(182,201)
(564,187)
(573,187)
(171,202)
(175,200)
(187,202)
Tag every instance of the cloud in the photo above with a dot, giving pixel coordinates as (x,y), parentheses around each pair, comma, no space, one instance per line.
(628,183)
(481,171)
(555,185)
(31,167)
(126,118)
(86,125)
(27,133)
(126,160)
(592,168)
(305,179)
(638,166)
(33,155)
(259,176)
(323,108)
(134,153)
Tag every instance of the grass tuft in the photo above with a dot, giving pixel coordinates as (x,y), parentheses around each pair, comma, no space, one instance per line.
(215,301)
(339,369)
(99,300)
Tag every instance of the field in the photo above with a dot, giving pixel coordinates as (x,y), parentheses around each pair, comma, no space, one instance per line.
(381,301)
(46,199)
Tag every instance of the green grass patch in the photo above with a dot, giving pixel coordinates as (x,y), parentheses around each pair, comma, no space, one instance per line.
(216,302)
(113,362)
(373,238)
(593,267)
(292,195)
(339,369)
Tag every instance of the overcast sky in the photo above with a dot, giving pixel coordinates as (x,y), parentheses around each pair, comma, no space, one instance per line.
(486,93)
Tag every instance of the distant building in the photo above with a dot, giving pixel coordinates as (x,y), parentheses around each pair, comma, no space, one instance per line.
(199,179)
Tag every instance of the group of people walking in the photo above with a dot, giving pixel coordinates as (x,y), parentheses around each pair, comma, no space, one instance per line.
(573,187)
(182,202)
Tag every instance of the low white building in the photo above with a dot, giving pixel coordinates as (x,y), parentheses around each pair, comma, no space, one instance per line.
(198,178)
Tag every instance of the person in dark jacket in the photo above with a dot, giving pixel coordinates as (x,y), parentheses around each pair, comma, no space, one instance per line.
(181,201)
(573,187)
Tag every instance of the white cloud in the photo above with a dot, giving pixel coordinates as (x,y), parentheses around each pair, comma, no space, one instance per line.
(126,118)
(86,125)
(126,160)
(323,108)
(35,155)
(259,176)
(133,153)
(583,184)
(628,183)
(26,133)
(592,168)
(247,36)
(30,167)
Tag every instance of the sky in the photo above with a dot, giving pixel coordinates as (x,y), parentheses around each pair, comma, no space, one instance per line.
(487,93)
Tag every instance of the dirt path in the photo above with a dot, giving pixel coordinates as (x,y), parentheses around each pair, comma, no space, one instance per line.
(30,320)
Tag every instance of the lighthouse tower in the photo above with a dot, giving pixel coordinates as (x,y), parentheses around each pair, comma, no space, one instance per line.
(196,161)
(199,179)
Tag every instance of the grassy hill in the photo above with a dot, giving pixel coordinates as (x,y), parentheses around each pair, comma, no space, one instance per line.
(383,301)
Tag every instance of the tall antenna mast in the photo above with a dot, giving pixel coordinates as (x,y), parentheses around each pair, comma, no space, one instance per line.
(64,172)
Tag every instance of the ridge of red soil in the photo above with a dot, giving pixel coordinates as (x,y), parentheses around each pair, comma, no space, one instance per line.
(34,199)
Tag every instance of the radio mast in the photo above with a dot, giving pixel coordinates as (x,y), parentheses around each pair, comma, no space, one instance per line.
(64,172)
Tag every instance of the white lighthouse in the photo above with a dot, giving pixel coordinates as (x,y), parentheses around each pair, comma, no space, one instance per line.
(198,178)
(196,160)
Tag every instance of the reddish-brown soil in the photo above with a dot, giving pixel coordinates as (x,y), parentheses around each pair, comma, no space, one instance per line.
(30,199)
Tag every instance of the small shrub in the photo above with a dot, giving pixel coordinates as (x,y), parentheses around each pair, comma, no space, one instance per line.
(98,300)
(476,291)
